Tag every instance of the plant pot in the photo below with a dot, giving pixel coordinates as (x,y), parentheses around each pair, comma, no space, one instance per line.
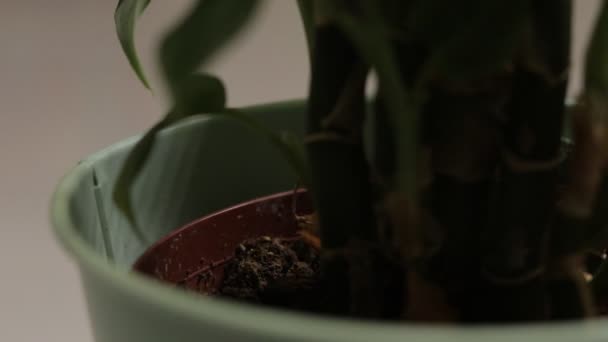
(232,165)
(194,256)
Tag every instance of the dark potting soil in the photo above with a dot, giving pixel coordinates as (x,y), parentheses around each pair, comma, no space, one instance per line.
(275,272)
(282,273)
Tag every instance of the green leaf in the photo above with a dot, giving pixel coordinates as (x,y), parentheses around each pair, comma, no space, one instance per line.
(596,66)
(125,17)
(290,146)
(129,172)
(306,8)
(202,33)
(202,93)
(371,38)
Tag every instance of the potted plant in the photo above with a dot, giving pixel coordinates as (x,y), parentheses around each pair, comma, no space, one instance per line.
(465,191)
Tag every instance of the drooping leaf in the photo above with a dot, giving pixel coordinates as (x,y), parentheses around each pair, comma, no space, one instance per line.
(210,25)
(125,18)
(130,170)
(202,94)
(596,66)
(290,146)
(371,38)
(306,8)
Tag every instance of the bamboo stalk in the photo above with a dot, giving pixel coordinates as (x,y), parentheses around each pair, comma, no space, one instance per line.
(516,239)
(409,57)
(577,206)
(570,295)
(463,136)
(341,184)
(515,263)
(599,284)
(340,176)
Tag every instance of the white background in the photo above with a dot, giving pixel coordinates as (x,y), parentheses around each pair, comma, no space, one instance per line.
(66,91)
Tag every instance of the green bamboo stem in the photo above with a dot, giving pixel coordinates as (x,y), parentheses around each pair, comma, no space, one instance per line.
(341,184)
(409,57)
(517,237)
(384,158)
(568,289)
(597,226)
(384,145)
(340,176)
(599,284)
(578,207)
(598,240)
(463,137)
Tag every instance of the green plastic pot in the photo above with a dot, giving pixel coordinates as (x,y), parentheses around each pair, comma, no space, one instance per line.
(197,167)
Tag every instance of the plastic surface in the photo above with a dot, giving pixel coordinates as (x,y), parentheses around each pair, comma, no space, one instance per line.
(194,256)
(198,167)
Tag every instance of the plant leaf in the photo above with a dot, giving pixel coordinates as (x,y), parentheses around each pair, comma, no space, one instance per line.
(371,38)
(125,18)
(290,146)
(130,170)
(207,28)
(202,94)
(306,8)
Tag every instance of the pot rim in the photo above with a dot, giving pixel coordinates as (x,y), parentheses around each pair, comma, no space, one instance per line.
(280,324)
(152,249)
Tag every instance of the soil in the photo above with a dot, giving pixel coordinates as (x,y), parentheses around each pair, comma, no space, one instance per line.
(274,272)
(285,273)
